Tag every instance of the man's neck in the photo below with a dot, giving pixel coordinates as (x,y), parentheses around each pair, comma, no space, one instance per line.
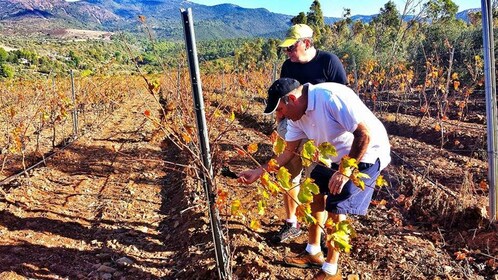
(310,54)
(304,95)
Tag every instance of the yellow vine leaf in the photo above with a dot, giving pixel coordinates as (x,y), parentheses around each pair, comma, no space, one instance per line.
(232,117)
(303,213)
(45,116)
(186,137)
(341,241)
(263,193)
(437,127)
(456,85)
(341,235)
(348,164)
(326,150)
(308,153)
(216,113)
(235,208)
(261,207)
(273,165)
(357,178)
(381,182)
(329,223)
(255,225)
(154,86)
(268,183)
(221,198)
(252,148)
(278,143)
(284,178)
(454,76)
(307,190)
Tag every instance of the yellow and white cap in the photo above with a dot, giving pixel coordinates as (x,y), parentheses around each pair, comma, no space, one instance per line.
(295,33)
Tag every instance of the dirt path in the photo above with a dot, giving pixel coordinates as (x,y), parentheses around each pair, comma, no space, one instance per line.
(94,211)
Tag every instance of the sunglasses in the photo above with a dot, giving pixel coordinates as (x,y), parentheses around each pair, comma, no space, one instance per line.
(292,47)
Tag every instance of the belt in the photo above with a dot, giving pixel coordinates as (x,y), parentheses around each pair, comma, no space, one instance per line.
(361,166)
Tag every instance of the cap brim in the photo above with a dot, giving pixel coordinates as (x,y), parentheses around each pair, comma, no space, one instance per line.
(270,108)
(287,43)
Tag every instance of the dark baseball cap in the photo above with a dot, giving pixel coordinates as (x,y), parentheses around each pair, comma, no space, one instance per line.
(277,90)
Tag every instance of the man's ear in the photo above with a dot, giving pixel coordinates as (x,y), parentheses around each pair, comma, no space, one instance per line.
(307,43)
(292,97)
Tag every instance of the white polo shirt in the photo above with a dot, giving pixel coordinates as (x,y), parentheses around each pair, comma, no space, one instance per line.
(333,114)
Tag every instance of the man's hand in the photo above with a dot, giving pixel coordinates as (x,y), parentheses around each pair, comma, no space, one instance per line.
(337,182)
(249,176)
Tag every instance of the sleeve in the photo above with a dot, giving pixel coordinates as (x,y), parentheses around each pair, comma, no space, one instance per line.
(294,132)
(345,107)
(335,70)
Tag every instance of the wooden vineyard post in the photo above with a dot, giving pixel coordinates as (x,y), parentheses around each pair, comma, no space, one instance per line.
(221,251)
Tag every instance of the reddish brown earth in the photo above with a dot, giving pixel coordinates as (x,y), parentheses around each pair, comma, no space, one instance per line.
(118,203)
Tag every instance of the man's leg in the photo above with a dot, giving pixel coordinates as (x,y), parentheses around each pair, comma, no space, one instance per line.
(333,256)
(319,213)
(291,228)
(313,255)
(351,200)
(290,201)
(330,270)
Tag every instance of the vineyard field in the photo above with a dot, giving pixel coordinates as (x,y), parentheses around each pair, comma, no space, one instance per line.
(123,200)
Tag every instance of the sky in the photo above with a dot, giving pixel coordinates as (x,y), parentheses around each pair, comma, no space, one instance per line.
(330,8)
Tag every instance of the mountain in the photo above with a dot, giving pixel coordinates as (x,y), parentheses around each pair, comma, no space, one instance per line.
(26,17)
(162,16)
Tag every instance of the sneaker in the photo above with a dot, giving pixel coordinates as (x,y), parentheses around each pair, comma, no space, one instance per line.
(286,232)
(305,260)
(325,276)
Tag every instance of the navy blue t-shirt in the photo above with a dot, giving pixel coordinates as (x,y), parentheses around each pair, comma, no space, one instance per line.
(324,67)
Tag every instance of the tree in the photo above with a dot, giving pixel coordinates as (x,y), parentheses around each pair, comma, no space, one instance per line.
(3,55)
(269,50)
(301,18)
(316,22)
(6,71)
(315,15)
(386,26)
(440,10)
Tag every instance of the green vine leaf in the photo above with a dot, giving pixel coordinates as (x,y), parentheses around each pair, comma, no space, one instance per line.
(308,153)
(284,178)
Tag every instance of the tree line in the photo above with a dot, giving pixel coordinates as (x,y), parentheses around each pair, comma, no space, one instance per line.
(392,40)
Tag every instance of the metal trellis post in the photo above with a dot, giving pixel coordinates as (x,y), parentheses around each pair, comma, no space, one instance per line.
(221,251)
(491,110)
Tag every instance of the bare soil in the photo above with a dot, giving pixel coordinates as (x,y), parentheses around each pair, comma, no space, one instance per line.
(112,205)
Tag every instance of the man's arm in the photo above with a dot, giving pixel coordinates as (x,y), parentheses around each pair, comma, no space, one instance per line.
(249,176)
(358,149)
(360,142)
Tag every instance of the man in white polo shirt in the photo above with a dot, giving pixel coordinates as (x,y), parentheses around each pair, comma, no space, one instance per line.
(328,112)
